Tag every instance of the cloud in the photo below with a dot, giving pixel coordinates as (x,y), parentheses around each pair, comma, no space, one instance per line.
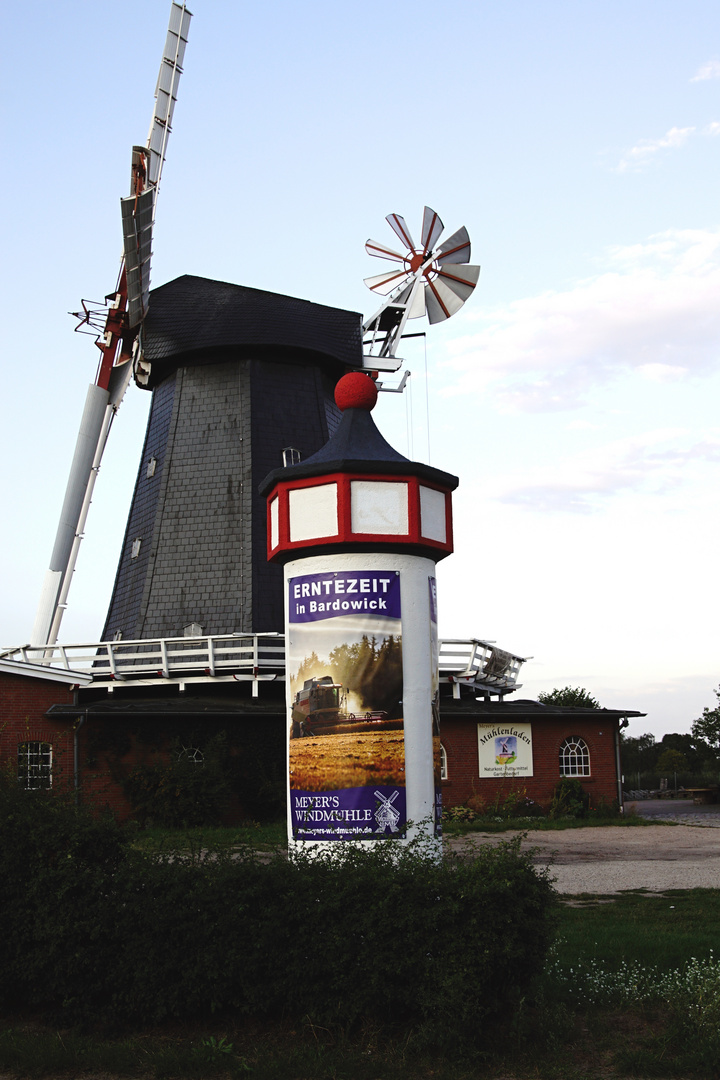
(637,157)
(711,70)
(662,372)
(654,462)
(653,311)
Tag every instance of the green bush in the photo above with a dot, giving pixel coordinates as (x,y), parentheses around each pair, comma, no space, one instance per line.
(569,799)
(605,809)
(95,933)
(182,792)
(507,804)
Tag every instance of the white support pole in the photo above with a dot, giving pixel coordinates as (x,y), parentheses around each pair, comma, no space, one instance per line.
(88,441)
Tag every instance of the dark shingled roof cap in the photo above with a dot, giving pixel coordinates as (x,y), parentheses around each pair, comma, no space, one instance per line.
(195,314)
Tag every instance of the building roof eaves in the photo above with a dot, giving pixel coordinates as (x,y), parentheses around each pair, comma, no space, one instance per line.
(42,671)
(505,711)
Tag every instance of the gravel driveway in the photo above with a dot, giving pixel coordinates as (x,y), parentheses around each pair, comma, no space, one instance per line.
(609,859)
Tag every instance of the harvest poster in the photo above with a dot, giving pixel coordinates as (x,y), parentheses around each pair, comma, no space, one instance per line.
(346,738)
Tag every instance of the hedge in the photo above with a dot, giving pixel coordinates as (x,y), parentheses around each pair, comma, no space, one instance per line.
(97,935)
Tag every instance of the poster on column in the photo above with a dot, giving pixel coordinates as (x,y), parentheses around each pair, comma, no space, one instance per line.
(346,737)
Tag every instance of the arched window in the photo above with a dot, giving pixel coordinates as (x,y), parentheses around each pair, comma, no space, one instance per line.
(443,763)
(574,757)
(191,754)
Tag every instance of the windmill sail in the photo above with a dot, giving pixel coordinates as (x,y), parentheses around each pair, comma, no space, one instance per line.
(127,309)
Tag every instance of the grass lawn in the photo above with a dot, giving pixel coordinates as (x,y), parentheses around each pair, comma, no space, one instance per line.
(270,835)
(263,837)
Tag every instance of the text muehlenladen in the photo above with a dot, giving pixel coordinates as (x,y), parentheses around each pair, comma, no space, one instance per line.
(497,732)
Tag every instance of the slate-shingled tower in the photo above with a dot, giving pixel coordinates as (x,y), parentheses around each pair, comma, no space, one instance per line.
(237,375)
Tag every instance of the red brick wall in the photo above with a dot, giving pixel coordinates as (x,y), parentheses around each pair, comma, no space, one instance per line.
(459,736)
(23,704)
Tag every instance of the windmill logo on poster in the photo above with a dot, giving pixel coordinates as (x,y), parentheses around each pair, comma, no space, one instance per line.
(386,816)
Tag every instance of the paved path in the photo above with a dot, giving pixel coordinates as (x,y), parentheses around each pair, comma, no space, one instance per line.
(611,859)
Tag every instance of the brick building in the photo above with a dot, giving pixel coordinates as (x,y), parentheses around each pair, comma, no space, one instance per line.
(550,741)
(90,728)
(39,748)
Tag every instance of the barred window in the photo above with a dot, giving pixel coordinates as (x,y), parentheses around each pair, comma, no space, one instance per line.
(574,757)
(35,765)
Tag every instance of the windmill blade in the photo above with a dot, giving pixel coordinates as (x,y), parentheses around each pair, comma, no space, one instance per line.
(440,301)
(417,307)
(382,252)
(397,224)
(138,210)
(166,88)
(432,227)
(137,220)
(385,283)
(456,249)
(461,280)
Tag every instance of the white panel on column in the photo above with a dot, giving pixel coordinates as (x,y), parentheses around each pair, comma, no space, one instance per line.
(432,514)
(313,512)
(274,525)
(379,506)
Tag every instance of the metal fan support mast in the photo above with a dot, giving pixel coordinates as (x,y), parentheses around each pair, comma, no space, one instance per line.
(122,317)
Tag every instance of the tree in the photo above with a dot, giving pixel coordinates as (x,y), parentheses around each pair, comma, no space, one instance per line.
(707,726)
(672,761)
(695,751)
(638,752)
(569,696)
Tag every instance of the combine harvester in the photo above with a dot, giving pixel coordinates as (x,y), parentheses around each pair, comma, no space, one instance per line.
(320,708)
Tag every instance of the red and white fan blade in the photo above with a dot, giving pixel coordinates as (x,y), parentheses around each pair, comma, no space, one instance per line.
(397,224)
(432,227)
(385,283)
(456,249)
(440,301)
(382,252)
(460,279)
(417,300)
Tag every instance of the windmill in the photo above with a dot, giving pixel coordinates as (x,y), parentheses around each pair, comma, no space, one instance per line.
(118,322)
(429,280)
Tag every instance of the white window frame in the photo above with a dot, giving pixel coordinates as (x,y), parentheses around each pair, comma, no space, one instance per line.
(443,763)
(574,757)
(193,754)
(34,764)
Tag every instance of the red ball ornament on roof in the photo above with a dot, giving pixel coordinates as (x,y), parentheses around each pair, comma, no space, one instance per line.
(356,391)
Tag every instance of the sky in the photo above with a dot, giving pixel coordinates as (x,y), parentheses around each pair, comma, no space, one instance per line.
(575,394)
